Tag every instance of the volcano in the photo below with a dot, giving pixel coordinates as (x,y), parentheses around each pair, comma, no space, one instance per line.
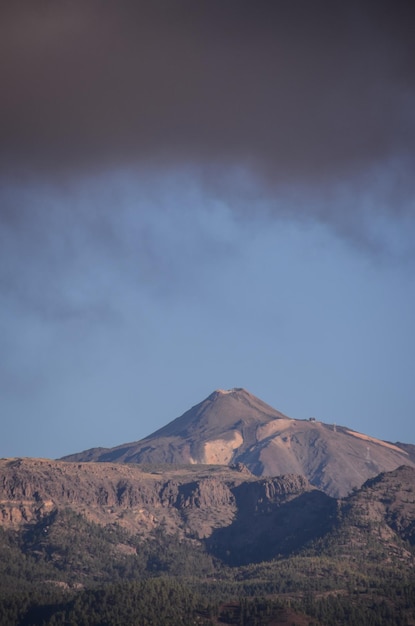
(235,427)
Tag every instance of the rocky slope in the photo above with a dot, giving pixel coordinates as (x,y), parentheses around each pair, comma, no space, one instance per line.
(235,426)
(190,501)
(382,510)
(105,543)
(238,517)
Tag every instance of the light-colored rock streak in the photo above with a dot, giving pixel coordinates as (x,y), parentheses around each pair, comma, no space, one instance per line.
(385,444)
(276,427)
(220,451)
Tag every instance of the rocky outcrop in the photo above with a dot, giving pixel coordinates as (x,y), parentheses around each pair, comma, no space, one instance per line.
(190,501)
(385,505)
(239,517)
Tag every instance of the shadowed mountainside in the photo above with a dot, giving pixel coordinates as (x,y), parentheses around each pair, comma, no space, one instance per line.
(236,427)
(101,543)
(234,515)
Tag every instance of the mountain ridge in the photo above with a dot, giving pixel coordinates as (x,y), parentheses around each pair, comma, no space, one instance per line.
(234,426)
(69,530)
(190,499)
(238,517)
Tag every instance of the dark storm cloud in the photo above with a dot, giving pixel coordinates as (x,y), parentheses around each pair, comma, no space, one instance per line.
(296,107)
(290,89)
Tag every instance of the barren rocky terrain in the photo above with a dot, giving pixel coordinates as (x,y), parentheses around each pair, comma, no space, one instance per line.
(229,514)
(189,501)
(235,426)
(239,517)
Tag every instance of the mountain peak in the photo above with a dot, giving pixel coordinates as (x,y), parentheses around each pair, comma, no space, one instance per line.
(234,426)
(222,411)
(235,392)
(224,392)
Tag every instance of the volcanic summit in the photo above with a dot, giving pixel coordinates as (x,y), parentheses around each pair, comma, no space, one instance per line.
(234,426)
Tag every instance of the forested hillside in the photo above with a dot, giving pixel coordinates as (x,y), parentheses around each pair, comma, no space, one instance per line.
(269,551)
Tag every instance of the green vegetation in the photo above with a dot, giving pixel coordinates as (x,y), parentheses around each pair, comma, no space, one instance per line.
(166,601)
(66,571)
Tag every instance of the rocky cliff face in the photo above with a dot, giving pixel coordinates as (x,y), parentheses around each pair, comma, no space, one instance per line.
(238,517)
(234,426)
(191,501)
(384,508)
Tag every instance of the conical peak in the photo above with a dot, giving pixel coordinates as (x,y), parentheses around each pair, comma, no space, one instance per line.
(238,394)
(219,412)
(227,407)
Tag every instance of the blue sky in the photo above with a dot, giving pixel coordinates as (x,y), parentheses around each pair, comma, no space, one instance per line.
(111,337)
(262,238)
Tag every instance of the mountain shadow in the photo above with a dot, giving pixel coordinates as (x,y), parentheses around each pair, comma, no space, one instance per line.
(263,530)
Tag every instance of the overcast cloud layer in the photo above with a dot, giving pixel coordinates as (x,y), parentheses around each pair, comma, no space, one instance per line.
(147,149)
(294,91)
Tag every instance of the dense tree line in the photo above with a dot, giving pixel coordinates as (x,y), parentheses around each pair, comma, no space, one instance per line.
(168,602)
(67,571)
(163,602)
